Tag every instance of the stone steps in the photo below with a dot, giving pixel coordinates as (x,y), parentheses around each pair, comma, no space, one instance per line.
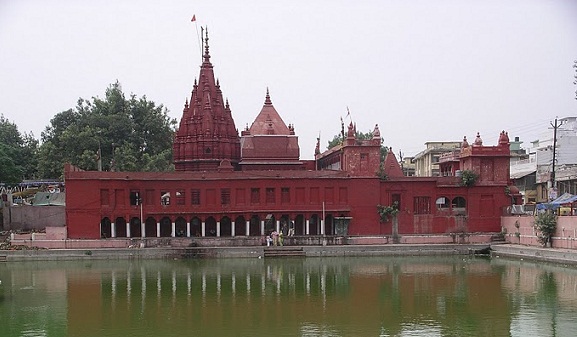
(284,251)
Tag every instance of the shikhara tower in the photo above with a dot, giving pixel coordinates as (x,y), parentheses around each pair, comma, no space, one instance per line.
(207,138)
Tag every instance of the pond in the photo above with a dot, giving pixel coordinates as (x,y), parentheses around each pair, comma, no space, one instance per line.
(372,296)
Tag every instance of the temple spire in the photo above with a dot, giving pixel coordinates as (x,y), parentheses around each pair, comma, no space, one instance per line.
(207,135)
(206,53)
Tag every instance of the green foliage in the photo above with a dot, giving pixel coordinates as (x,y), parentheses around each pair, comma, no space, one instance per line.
(468,178)
(338,140)
(381,172)
(387,212)
(133,134)
(545,225)
(17,153)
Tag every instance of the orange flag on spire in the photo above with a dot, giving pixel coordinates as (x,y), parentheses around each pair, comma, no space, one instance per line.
(193,18)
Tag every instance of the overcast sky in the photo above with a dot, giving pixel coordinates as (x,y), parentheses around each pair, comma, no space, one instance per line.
(422,70)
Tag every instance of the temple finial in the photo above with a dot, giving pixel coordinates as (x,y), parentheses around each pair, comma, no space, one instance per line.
(267,100)
(206,53)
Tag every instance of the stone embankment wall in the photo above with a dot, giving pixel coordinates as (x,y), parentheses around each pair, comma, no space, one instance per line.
(56,238)
(519,230)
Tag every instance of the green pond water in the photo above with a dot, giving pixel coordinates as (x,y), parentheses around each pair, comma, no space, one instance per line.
(375,296)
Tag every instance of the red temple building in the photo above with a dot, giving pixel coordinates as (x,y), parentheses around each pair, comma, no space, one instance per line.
(231,186)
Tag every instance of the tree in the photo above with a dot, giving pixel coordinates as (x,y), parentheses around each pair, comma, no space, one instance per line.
(545,225)
(122,134)
(17,153)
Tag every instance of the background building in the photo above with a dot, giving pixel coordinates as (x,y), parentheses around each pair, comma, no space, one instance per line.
(427,161)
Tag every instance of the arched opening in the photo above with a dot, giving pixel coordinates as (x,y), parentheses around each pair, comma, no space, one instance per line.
(195,227)
(284,224)
(300,225)
(269,223)
(150,227)
(254,226)
(329,225)
(225,226)
(135,230)
(240,226)
(459,206)
(314,225)
(105,228)
(120,227)
(442,204)
(165,227)
(180,227)
(210,226)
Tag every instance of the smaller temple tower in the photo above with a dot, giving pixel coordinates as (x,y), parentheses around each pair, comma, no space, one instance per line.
(207,138)
(356,157)
(269,143)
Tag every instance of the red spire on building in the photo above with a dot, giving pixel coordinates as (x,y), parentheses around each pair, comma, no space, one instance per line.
(391,166)
(269,142)
(207,134)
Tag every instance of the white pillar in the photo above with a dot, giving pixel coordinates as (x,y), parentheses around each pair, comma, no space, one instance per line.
(247,227)
(262,227)
(158,229)
(128,230)
(322,227)
(307,227)
(278,226)
(142,228)
(173,230)
(202,229)
(113,229)
(232,229)
(187,229)
(218,229)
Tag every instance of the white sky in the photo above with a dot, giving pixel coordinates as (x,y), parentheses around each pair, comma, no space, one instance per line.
(423,70)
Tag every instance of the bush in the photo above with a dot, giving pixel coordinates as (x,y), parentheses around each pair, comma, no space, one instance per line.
(468,178)
(545,224)
(385,212)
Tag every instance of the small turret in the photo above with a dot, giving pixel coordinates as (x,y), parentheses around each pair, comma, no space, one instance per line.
(478,140)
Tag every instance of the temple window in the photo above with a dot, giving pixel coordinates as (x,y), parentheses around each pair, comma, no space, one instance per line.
(165,198)
(104,197)
(285,197)
(442,203)
(195,196)
(135,198)
(396,200)
(180,197)
(225,196)
(422,205)
(459,206)
(270,197)
(255,196)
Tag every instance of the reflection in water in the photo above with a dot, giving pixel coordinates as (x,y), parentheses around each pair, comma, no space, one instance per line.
(393,296)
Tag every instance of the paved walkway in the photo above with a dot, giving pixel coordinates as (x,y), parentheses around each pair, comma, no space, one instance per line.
(557,255)
(238,252)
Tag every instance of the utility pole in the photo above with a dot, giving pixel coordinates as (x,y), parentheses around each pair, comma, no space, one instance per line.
(555,127)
